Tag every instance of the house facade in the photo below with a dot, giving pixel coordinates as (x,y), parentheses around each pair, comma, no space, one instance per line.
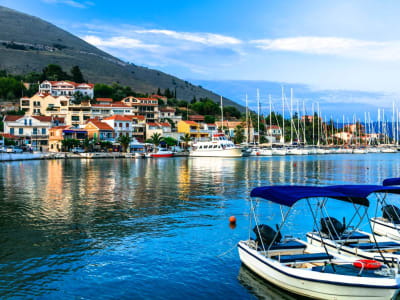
(66,88)
(147,107)
(32,131)
(193,129)
(99,131)
(120,124)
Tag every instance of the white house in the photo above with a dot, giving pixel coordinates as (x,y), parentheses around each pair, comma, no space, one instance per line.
(66,88)
(122,125)
(31,130)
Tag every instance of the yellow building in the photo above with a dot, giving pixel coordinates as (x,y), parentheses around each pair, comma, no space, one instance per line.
(192,128)
(57,106)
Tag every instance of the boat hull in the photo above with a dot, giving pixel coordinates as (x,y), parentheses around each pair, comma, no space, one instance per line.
(235,152)
(384,228)
(317,285)
(155,155)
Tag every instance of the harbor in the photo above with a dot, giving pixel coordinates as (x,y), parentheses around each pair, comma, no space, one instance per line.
(116,218)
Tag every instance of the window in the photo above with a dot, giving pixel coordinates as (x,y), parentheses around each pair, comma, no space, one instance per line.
(43,131)
(25,122)
(127,125)
(75,118)
(11,130)
(21,131)
(120,124)
(35,131)
(30,122)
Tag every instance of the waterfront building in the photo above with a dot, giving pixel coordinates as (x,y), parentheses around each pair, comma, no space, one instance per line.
(138,124)
(197,118)
(147,107)
(59,133)
(121,125)
(230,126)
(66,88)
(275,132)
(169,113)
(98,130)
(31,131)
(161,128)
(104,100)
(102,111)
(193,129)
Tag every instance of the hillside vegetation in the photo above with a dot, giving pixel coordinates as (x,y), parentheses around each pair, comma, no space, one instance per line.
(29,44)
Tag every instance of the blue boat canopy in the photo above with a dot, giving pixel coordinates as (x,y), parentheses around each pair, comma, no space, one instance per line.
(289,194)
(363,191)
(391,181)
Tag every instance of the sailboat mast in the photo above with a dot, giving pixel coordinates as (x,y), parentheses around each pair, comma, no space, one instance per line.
(318,120)
(258,115)
(283,115)
(270,117)
(291,116)
(247,119)
(222,116)
(312,120)
(304,124)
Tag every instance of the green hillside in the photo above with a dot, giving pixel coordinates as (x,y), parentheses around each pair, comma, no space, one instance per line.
(29,44)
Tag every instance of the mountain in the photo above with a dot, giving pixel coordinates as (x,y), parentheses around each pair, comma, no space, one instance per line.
(29,44)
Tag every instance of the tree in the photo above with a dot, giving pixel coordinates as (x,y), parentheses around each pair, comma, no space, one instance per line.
(186,139)
(77,75)
(54,72)
(239,134)
(170,141)
(124,140)
(156,139)
(209,119)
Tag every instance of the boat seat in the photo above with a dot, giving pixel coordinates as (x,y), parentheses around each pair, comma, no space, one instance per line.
(289,245)
(303,257)
(372,246)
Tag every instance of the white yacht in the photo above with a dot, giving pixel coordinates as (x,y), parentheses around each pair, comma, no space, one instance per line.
(219,146)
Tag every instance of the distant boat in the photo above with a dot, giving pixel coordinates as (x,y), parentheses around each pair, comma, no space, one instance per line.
(219,146)
(162,152)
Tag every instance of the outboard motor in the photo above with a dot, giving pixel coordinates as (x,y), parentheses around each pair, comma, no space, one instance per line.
(330,225)
(391,213)
(266,234)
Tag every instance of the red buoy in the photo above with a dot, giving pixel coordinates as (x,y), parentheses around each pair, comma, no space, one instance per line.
(368,264)
(232,219)
(258,153)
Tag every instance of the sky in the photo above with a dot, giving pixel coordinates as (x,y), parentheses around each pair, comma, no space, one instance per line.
(325,45)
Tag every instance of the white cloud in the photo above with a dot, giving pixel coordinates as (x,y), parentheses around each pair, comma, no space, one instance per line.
(353,48)
(205,38)
(71,3)
(118,42)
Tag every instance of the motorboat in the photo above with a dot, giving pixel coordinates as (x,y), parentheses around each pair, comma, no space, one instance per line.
(162,152)
(388,150)
(388,224)
(349,240)
(279,151)
(360,151)
(219,146)
(302,268)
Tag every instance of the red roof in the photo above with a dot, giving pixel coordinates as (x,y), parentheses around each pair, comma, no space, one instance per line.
(118,118)
(196,118)
(42,118)
(100,125)
(12,118)
(152,124)
(8,136)
(158,97)
(91,85)
(191,122)
(58,127)
(115,104)
(273,127)
(165,124)
(146,98)
(166,109)
(104,99)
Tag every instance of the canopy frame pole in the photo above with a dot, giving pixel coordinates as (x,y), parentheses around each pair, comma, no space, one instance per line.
(376,243)
(319,232)
(357,226)
(279,228)
(255,221)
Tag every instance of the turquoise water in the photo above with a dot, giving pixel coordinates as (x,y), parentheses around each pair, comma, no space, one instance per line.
(140,229)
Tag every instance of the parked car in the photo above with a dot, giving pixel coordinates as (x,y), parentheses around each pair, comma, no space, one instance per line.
(14,149)
(78,150)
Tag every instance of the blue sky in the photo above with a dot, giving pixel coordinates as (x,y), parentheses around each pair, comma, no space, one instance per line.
(327,45)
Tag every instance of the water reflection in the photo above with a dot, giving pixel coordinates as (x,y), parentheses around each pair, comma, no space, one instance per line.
(63,221)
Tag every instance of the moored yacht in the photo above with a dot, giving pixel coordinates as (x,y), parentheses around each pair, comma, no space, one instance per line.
(219,146)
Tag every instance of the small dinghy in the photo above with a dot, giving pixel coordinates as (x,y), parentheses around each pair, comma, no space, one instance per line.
(349,240)
(304,269)
(389,223)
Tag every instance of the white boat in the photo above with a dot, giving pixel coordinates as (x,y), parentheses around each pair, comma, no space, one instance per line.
(265,152)
(321,151)
(279,151)
(388,150)
(294,151)
(388,224)
(301,268)
(360,151)
(339,238)
(219,146)
(161,153)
